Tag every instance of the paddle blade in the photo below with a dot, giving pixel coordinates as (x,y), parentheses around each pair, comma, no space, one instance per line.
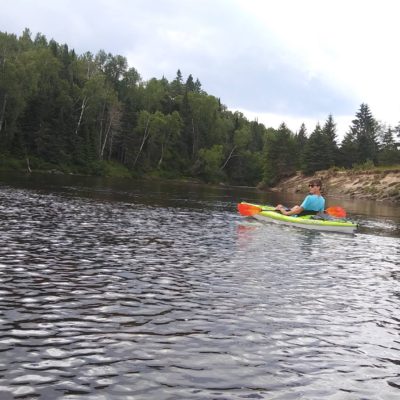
(248,210)
(336,211)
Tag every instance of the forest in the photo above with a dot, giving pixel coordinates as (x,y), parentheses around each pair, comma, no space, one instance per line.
(93,114)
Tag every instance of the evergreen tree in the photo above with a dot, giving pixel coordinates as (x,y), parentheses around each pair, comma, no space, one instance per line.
(397,133)
(348,150)
(40,41)
(365,129)
(331,150)
(389,154)
(314,153)
(301,141)
(177,85)
(279,151)
(301,136)
(257,137)
(190,86)
(25,40)
(197,86)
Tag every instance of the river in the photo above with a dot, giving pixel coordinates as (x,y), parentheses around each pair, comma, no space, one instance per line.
(118,289)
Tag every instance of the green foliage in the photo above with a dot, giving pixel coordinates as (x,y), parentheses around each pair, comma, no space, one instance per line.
(209,163)
(280,146)
(117,170)
(39,164)
(11,164)
(360,143)
(300,146)
(331,154)
(316,151)
(92,114)
(368,165)
(389,153)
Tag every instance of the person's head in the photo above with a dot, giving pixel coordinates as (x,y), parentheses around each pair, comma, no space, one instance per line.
(315,185)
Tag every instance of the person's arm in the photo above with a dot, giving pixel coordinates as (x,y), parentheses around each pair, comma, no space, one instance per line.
(293,211)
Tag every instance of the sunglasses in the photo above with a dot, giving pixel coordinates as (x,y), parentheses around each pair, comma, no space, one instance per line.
(311,185)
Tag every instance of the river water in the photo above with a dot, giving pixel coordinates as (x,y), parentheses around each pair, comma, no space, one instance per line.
(116,289)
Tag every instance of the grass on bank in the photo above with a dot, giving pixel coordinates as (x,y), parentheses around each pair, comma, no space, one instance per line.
(117,170)
(368,167)
(96,168)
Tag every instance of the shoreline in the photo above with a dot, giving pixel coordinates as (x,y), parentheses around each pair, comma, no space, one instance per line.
(381,185)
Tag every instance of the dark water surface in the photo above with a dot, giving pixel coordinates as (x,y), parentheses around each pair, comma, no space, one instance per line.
(131,290)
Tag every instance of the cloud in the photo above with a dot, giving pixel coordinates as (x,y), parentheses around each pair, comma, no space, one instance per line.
(348,45)
(288,59)
(238,60)
(294,123)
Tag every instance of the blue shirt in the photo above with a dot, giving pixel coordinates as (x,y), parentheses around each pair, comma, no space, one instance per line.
(313,202)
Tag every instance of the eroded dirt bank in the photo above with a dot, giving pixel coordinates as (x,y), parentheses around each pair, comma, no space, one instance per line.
(373,185)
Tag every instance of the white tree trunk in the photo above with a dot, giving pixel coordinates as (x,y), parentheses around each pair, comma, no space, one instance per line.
(83,106)
(145,136)
(105,138)
(229,157)
(113,123)
(162,156)
(28,167)
(101,130)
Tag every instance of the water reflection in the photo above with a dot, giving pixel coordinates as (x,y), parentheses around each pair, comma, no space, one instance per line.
(123,293)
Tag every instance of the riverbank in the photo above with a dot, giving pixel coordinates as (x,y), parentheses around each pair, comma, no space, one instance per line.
(382,184)
(376,184)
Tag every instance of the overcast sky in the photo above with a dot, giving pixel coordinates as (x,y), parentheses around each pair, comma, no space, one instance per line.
(278,61)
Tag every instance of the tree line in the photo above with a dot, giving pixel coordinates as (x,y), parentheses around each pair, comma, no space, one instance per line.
(80,113)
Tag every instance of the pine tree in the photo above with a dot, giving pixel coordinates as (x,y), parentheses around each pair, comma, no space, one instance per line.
(365,129)
(348,150)
(301,141)
(301,137)
(397,133)
(197,86)
(279,154)
(331,151)
(388,154)
(190,86)
(176,85)
(314,154)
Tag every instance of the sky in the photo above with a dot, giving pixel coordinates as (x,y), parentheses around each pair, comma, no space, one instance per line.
(276,61)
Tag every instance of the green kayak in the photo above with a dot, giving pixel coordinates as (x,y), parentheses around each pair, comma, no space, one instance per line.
(313,222)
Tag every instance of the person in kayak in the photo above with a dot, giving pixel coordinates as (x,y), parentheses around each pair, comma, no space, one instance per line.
(312,204)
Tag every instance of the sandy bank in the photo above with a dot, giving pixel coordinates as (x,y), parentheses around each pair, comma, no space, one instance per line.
(373,185)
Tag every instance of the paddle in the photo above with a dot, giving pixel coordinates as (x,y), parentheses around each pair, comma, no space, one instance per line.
(336,211)
(248,210)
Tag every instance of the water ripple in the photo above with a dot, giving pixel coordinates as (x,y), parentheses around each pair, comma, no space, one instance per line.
(117,300)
